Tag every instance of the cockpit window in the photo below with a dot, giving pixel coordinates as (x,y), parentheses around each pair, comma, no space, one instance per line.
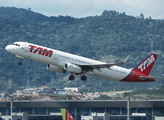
(16,44)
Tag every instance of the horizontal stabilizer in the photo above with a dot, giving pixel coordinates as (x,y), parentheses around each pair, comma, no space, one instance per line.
(145,78)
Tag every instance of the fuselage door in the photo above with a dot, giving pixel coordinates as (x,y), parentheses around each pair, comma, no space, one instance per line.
(55,55)
(26,47)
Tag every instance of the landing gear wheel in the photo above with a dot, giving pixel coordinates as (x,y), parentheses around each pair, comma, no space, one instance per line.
(71,77)
(83,78)
(20,63)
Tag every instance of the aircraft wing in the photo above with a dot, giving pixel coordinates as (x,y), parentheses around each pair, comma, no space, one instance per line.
(91,67)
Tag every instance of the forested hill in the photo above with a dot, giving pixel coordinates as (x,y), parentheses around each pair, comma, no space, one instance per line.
(110,36)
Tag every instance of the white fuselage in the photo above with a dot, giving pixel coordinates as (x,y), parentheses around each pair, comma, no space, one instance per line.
(59,58)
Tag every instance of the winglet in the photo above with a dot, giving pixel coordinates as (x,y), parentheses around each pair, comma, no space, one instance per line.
(124,61)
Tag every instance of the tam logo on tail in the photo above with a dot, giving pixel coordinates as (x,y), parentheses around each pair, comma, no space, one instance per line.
(146,63)
(141,72)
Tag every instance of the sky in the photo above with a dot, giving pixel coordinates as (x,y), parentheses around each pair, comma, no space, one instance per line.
(85,8)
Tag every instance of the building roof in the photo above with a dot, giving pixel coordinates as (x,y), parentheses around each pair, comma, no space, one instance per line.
(80,103)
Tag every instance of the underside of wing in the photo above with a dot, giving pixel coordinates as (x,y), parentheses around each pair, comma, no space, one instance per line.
(91,67)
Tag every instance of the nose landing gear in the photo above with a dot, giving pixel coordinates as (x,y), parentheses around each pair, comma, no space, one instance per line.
(20,63)
(21,59)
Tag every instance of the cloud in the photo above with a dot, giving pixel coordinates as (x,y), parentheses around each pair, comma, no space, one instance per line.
(135,3)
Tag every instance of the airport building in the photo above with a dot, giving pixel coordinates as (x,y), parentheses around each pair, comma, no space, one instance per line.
(116,110)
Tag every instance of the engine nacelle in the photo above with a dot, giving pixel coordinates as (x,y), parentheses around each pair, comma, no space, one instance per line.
(72,68)
(55,69)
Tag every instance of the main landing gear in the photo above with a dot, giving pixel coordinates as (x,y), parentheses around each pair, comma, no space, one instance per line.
(83,78)
(71,77)
(20,63)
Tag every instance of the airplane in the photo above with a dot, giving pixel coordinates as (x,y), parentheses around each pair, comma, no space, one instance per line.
(60,62)
(66,115)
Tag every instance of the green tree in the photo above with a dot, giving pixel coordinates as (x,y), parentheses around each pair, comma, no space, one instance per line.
(141,16)
(103,97)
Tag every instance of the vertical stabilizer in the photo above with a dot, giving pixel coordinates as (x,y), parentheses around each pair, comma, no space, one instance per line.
(146,65)
(63,112)
(66,115)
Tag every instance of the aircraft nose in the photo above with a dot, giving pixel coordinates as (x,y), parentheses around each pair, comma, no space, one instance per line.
(8,48)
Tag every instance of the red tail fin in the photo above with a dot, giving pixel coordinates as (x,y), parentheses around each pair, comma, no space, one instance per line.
(146,65)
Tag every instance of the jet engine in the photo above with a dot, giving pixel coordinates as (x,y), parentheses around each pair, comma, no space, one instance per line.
(55,69)
(72,68)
